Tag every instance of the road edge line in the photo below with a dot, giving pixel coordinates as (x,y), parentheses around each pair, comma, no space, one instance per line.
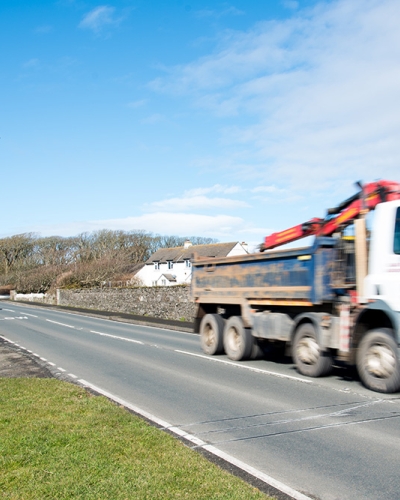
(261,476)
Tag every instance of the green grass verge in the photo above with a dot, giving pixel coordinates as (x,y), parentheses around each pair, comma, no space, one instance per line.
(58,441)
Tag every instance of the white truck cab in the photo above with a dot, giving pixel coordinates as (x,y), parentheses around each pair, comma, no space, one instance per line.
(383,279)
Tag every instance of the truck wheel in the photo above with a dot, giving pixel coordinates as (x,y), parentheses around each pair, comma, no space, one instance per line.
(238,340)
(307,354)
(211,334)
(377,361)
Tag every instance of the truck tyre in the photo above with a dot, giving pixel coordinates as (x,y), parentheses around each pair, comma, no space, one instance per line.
(310,360)
(256,351)
(377,361)
(211,334)
(238,340)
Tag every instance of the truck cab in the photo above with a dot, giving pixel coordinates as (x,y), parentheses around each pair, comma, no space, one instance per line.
(383,279)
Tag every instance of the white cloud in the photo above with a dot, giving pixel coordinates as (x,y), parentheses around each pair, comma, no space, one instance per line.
(98,18)
(31,63)
(217,188)
(223,227)
(137,104)
(212,13)
(154,118)
(267,189)
(320,93)
(195,202)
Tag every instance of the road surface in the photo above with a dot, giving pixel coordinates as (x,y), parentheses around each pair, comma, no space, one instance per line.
(327,438)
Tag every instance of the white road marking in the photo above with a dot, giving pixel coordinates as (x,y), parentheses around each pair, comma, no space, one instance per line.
(61,369)
(33,315)
(43,359)
(52,364)
(62,324)
(72,375)
(199,443)
(117,337)
(246,367)
(9,310)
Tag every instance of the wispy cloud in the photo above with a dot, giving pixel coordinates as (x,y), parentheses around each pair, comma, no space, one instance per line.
(31,63)
(320,93)
(42,30)
(154,118)
(198,202)
(217,188)
(167,223)
(214,13)
(99,18)
(137,104)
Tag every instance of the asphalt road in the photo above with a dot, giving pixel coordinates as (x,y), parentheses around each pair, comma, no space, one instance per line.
(327,438)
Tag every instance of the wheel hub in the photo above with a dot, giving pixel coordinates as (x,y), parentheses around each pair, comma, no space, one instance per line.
(308,351)
(380,361)
(209,336)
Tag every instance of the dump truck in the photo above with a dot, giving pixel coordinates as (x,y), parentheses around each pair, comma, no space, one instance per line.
(334,302)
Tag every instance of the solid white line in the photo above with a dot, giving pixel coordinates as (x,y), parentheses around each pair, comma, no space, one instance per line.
(62,324)
(134,408)
(256,473)
(199,443)
(246,367)
(8,340)
(116,337)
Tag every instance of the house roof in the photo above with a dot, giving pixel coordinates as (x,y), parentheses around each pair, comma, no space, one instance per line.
(170,277)
(179,254)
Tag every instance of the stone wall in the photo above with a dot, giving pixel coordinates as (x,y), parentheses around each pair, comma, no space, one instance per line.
(170,302)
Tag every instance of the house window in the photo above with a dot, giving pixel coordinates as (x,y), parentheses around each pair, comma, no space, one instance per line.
(188,263)
(154,283)
(163,282)
(156,266)
(170,264)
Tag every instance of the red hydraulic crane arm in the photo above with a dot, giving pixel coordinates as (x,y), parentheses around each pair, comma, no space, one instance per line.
(339,217)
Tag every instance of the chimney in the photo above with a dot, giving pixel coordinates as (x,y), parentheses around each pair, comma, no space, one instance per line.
(187,244)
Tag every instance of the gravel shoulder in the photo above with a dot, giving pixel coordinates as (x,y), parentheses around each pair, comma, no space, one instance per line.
(15,363)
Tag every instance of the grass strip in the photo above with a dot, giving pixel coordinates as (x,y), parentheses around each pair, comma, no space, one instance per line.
(58,441)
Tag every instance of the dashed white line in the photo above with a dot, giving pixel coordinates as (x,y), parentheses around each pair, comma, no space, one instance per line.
(72,375)
(43,359)
(33,315)
(62,324)
(245,367)
(61,369)
(117,337)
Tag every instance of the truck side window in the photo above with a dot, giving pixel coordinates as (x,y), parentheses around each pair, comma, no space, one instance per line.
(396,245)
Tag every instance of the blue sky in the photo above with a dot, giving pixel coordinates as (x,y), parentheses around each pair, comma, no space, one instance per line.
(222,119)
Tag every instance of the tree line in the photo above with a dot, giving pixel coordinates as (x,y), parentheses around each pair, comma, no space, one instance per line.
(30,263)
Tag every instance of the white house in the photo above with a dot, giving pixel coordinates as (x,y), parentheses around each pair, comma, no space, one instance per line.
(172,266)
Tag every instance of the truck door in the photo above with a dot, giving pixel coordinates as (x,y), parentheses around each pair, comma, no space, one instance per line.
(383,280)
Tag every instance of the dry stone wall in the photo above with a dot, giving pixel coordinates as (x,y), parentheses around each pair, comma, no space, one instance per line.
(172,302)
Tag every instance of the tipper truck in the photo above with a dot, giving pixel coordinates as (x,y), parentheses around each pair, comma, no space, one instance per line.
(336,301)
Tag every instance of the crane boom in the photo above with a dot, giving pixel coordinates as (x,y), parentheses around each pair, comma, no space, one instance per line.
(338,217)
